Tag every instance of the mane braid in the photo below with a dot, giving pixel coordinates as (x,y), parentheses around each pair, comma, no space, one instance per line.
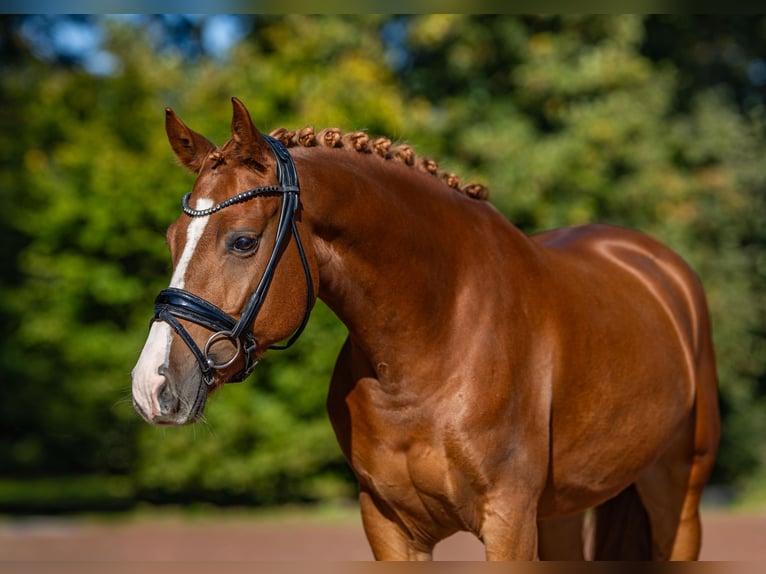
(361,142)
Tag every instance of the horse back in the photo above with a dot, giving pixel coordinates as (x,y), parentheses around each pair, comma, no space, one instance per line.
(606,258)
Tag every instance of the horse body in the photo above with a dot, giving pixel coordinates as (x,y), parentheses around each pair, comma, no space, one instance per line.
(536,414)
(490,382)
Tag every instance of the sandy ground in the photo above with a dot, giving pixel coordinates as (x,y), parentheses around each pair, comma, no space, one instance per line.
(178,538)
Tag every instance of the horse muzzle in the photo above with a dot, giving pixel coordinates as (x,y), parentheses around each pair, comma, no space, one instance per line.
(168,408)
(161,395)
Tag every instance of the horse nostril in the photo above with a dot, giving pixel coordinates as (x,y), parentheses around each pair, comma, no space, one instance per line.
(166,399)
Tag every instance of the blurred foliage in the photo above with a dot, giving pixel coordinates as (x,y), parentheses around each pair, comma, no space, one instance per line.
(651,122)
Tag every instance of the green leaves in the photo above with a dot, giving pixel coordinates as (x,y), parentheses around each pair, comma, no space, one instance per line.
(567,120)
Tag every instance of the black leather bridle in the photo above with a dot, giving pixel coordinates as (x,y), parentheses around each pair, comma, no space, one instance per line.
(173,304)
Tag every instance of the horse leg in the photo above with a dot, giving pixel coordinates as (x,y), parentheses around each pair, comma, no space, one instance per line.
(672,488)
(510,533)
(387,538)
(670,491)
(561,538)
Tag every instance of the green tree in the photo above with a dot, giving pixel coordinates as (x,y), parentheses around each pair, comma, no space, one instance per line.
(567,119)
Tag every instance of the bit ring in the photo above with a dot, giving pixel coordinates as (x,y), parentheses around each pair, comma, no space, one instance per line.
(214,338)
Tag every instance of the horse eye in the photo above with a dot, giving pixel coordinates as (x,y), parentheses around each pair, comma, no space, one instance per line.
(244,244)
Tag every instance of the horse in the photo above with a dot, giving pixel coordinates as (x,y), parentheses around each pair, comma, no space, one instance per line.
(492,382)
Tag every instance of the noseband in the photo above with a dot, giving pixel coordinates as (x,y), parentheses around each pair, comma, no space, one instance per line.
(173,304)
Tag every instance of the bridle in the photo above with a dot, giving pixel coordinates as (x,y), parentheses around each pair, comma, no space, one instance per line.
(173,304)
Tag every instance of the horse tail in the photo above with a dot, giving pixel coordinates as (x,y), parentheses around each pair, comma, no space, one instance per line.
(622,529)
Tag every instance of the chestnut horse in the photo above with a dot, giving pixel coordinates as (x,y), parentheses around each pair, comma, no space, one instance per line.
(491,382)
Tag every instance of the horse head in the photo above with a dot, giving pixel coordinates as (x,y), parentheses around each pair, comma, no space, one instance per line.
(242,278)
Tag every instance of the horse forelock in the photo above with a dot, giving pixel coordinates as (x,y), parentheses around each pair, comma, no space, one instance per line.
(383,147)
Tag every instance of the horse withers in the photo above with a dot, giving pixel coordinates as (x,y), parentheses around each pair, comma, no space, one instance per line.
(491,381)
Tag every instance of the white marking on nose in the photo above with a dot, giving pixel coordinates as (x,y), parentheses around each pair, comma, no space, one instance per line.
(147,379)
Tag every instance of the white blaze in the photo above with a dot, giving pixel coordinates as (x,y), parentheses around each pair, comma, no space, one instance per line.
(146,377)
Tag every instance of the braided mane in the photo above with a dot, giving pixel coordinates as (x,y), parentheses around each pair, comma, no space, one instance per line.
(383,147)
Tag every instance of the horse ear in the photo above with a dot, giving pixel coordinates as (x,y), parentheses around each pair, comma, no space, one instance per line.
(244,133)
(190,148)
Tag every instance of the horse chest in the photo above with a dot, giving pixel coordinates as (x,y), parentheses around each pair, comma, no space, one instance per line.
(418,483)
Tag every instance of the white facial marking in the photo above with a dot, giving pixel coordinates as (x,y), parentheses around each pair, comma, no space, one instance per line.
(147,379)
(193,233)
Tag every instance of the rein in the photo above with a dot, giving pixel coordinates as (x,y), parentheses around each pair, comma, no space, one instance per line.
(173,304)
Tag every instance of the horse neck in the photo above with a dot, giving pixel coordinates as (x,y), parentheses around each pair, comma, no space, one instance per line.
(392,244)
